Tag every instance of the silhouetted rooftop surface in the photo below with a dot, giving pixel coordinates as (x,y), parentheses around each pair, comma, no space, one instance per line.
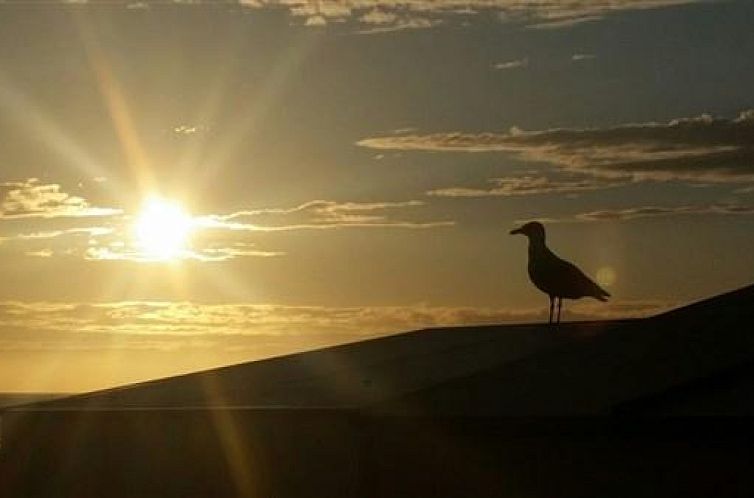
(11,399)
(692,360)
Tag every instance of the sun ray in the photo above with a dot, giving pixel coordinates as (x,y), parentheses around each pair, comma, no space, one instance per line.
(117,105)
(255,112)
(22,109)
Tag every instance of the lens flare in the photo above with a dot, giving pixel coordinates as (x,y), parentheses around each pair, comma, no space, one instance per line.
(606,276)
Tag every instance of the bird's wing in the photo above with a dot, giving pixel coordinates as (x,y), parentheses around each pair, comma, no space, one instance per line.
(573,283)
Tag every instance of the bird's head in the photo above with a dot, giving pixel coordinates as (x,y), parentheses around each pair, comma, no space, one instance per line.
(534,230)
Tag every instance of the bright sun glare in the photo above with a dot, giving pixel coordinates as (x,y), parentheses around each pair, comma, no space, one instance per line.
(162,229)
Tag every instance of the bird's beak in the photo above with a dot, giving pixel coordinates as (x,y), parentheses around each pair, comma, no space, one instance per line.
(515,231)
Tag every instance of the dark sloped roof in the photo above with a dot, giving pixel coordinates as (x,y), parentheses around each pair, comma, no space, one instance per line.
(342,376)
(574,368)
(630,367)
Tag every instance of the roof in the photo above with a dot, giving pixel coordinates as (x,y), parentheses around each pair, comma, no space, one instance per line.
(581,368)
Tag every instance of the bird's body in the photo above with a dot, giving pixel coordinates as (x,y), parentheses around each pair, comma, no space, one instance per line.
(554,276)
(559,278)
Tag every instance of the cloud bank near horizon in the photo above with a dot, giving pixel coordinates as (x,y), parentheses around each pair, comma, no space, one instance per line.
(177,325)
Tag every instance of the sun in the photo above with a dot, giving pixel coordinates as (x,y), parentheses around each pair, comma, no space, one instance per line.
(162,229)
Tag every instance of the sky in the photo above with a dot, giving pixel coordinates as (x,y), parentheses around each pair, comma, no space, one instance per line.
(191,184)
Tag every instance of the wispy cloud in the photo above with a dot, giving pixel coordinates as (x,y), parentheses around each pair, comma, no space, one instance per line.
(42,253)
(213,237)
(32,199)
(697,149)
(518,63)
(51,234)
(660,211)
(225,252)
(563,22)
(404,14)
(375,16)
(532,13)
(215,252)
(582,57)
(116,243)
(381,20)
(322,214)
(528,185)
(190,129)
(70,242)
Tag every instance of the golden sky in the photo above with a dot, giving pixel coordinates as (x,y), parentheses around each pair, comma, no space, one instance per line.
(190,185)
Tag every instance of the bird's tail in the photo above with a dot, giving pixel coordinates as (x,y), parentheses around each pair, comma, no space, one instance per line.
(600,293)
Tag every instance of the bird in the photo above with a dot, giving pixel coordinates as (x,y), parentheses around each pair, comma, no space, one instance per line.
(554,276)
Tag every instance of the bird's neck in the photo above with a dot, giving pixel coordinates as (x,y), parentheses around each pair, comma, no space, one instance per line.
(536,247)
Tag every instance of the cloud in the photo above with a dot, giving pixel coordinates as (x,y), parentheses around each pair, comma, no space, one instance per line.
(697,149)
(401,23)
(219,252)
(50,243)
(637,212)
(532,13)
(213,253)
(70,242)
(379,17)
(384,20)
(32,199)
(321,214)
(565,22)
(658,211)
(528,185)
(213,237)
(511,64)
(42,253)
(51,234)
(170,325)
(190,129)
(316,21)
(116,243)
(392,15)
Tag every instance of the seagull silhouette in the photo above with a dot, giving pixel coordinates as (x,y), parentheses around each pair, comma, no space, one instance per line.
(554,276)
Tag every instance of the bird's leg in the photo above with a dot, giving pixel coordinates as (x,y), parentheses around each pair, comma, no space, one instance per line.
(560,305)
(552,305)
